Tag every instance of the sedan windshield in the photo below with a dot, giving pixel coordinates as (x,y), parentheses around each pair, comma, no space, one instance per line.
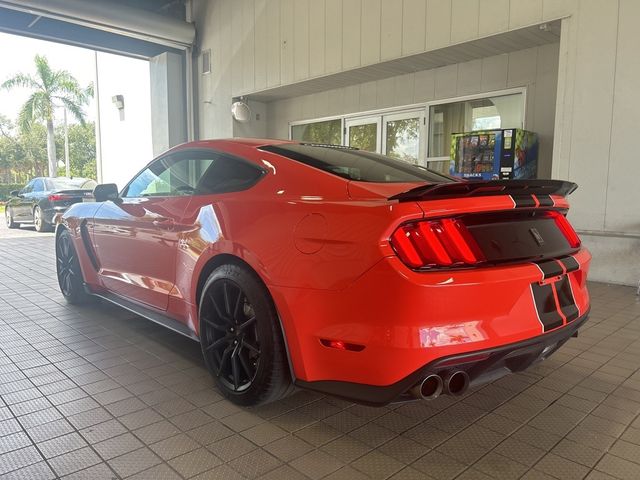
(63,183)
(354,164)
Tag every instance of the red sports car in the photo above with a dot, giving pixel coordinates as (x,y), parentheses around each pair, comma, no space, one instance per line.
(332,268)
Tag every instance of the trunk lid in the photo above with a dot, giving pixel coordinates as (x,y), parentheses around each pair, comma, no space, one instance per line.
(64,198)
(484,223)
(517,188)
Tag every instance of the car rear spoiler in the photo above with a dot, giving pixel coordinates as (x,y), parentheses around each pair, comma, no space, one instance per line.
(486,188)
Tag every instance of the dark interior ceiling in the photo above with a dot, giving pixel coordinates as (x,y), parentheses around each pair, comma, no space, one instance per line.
(33,25)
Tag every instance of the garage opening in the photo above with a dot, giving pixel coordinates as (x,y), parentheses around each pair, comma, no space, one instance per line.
(132,53)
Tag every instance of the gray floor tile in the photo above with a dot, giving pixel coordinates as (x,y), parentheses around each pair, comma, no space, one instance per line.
(94,384)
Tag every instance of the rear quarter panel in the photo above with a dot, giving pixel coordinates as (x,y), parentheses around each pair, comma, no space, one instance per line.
(297,227)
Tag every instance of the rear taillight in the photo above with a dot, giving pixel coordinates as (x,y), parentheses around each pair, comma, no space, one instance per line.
(436,243)
(58,197)
(567,230)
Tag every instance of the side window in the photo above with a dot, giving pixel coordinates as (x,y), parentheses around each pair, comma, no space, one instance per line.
(38,185)
(171,176)
(229,174)
(194,173)
(28,188)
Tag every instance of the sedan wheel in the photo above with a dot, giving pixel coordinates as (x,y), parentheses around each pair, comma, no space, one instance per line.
(68,270)
(39,221)
(241,339)
(8,215)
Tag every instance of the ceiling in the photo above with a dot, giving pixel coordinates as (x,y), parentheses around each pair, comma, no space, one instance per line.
(138,28)
(167,8)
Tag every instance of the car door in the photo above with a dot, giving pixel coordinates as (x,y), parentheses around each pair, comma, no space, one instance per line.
(20,208)
(37,193)
(136,237)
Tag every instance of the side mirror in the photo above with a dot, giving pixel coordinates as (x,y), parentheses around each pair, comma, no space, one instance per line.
(14,193)
(106,191)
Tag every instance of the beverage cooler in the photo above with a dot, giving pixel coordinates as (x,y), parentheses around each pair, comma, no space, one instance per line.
(494,154)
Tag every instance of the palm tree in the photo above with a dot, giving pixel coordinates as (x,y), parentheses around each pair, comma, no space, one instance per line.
(51,89)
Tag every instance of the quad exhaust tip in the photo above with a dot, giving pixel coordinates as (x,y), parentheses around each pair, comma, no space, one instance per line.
(432,386)
(456,382)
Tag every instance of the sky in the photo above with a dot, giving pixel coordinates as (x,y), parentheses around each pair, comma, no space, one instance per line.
(17,56)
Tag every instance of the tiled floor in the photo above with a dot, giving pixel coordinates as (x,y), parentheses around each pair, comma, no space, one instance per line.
(92,393)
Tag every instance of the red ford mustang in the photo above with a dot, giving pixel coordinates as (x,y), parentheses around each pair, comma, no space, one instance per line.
(333,269)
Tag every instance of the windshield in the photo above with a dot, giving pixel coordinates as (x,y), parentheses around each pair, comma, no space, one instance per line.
(62,183)
(358,165)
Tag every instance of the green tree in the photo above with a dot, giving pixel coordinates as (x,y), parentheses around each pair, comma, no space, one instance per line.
(9,150)
(51,89)
(34,151)
(82,149)
(23,155)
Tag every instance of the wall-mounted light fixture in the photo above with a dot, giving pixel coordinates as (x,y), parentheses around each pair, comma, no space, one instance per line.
(206,62)
(118,101)
(240,111)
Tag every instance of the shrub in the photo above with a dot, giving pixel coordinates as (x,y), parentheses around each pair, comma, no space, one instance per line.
(5,188)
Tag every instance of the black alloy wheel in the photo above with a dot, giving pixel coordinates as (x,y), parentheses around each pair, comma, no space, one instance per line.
(231,337)
(68,270)
(240,337)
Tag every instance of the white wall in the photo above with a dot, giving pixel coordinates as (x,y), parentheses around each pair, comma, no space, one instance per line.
(125,144)
(533,68)
(167,93)
(268,43)
(596,131)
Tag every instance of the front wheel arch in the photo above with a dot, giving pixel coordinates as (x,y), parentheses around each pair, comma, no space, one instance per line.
(68,269)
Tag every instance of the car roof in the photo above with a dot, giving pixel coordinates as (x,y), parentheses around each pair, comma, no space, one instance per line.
(65,178)
(243,147)
(220,142)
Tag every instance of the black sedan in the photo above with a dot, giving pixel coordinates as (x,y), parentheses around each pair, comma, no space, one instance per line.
(43,197)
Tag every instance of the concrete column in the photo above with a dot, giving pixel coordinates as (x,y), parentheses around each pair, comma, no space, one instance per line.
(168,108)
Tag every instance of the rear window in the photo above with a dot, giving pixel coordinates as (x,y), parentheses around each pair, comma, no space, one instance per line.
(228,174)
(354,164)
(61,183)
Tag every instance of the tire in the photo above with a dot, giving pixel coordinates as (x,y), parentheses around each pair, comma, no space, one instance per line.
(68,271)
(39,221)
(8,215)
(241,339)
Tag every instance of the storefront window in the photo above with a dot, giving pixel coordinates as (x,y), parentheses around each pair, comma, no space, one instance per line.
(489,113)
(328,132)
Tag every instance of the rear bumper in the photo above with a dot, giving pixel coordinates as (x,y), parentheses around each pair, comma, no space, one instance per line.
(482,366)
(50,213)
(406,320)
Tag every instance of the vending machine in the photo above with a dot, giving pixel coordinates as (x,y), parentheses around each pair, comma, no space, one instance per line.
(506,154)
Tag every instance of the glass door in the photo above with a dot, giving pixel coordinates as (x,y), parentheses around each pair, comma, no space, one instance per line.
(364,133)
(403,136)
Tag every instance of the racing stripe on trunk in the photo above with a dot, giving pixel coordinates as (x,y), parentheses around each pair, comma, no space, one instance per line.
(545,200)
(565,299)
(550,269)
(570,263)
(546,306)
(523,201)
